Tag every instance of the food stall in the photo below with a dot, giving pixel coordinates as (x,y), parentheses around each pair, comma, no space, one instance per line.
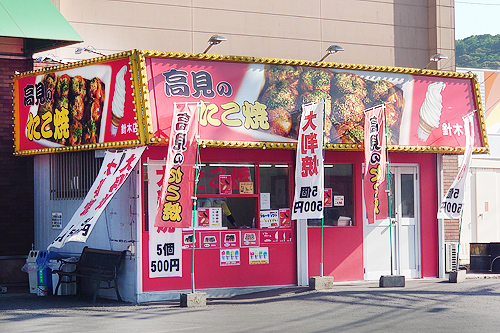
(236,224)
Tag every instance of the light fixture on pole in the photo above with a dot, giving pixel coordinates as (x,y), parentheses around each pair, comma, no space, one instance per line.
(89,48)
(435,58)
(332,49)
(50,58)
(214,40)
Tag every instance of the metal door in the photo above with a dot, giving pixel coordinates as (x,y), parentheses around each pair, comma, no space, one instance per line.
(405,242)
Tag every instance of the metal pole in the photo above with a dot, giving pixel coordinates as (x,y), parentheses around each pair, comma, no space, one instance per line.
(323,218)
(197,165)
(388,182)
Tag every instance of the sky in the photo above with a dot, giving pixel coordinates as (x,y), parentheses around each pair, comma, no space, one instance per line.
(476,17)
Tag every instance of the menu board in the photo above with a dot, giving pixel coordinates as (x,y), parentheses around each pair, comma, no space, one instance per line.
(276,236)
(230,239)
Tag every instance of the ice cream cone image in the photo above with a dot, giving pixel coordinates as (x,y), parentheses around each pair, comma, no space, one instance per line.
(430,111)
(118,104)
(115,122)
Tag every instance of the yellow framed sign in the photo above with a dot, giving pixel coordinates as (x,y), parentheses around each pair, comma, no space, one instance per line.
(256,102)
(90,104)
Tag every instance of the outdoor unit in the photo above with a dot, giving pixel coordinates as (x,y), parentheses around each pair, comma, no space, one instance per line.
(450,256)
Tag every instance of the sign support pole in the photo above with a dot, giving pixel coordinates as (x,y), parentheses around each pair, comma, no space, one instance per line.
(195,198)
(388,189)
(323,218)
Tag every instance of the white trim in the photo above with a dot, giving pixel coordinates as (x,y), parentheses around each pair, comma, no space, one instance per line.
(441,249)
(302,253)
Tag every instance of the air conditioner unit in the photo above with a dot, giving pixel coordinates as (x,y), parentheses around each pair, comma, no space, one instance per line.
(450,256)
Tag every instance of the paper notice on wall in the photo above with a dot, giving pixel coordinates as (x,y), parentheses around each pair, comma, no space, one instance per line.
(229,257)
(258,255)
(165,248)
(269,219)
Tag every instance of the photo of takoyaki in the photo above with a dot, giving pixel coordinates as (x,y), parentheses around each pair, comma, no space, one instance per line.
(347,108)
(230,238)
(346,96)
(81,99)
(280,94)
(288,75)
(49,82)
(348,83)
(250,236)
(280,121)
(316,79)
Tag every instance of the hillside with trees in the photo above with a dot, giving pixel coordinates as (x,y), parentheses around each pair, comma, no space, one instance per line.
(480,51)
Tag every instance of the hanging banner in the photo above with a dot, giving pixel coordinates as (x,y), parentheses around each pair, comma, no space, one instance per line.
(309,180)
(175,205)
(452,204)
(114,171)
(164,247)
(374,174)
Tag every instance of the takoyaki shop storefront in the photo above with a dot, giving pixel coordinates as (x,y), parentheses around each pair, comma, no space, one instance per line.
(145,120)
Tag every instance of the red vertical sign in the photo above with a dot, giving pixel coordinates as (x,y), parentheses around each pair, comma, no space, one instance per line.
(175,204)
(375,164)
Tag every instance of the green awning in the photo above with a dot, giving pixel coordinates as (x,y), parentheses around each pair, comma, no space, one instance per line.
(39,22)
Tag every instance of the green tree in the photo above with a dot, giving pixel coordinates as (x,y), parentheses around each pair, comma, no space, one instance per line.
(478,51)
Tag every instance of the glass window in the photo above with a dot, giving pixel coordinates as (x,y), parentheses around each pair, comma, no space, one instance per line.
(72,174)
(229,197)
(231,212)
(274,182)
(339,196)
(211,182)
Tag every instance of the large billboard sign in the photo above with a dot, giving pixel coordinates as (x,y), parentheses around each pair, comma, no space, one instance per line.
(250,100)
(85,105)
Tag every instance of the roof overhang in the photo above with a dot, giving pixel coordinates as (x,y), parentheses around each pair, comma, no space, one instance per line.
(39,23)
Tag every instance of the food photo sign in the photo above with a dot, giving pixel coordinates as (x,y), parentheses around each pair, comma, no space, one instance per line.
(76,106)
(249,102)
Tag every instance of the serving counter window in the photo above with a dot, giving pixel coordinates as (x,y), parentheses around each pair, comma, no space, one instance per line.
(339,196)
(240,196)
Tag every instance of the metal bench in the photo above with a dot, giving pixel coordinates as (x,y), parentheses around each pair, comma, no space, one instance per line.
(97,266)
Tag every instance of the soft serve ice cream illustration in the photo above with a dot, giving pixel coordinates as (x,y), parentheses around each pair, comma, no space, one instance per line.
(118,104)
(430,111)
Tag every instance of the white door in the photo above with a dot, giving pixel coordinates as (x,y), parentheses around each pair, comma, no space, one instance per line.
(405,231)
(487,226)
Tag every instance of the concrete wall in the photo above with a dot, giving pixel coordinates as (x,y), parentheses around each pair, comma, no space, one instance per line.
(377,32)
(114,230)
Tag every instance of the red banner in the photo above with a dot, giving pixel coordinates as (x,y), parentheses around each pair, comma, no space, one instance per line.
(262,102)
(175,204)
(374,174)
(114,171)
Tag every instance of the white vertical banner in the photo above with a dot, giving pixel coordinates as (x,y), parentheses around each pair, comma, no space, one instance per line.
(309,179)
(114,171)
(165,246)
(453,201)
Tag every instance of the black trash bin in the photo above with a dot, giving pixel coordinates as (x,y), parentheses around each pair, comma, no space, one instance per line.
(495,257)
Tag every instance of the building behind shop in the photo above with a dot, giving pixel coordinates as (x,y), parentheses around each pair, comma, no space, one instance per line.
(373,33)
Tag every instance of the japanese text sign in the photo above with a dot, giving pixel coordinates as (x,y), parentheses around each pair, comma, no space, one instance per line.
(89,106)
(375,164)
(309,180)
(114,171)
(175,203)
(165,247)
(452,204)
(257,102)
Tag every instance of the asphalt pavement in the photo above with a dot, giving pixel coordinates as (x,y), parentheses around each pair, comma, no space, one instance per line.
(423,305)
